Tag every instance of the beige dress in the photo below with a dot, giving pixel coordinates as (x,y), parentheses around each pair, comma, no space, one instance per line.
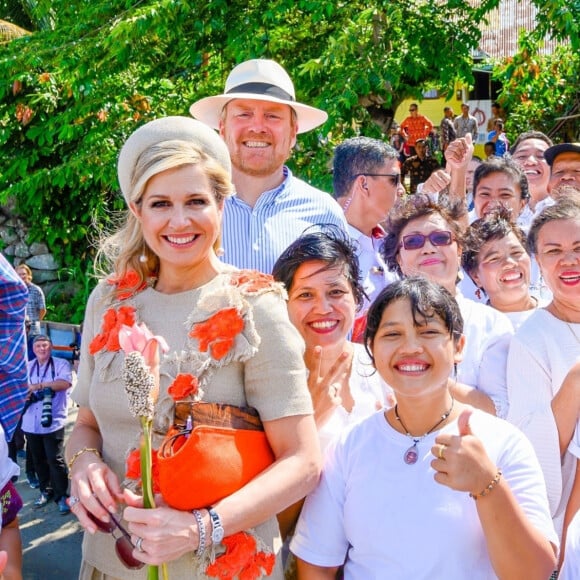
(264,369)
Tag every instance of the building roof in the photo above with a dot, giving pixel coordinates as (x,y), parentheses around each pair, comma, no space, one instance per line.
(501,32)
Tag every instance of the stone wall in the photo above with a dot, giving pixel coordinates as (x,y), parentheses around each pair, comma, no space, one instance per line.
(14,246)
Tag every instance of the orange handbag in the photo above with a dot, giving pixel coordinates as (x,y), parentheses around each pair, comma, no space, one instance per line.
(212,450)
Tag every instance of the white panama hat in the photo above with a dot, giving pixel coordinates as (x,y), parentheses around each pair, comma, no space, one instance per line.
(260,80)
(169,129)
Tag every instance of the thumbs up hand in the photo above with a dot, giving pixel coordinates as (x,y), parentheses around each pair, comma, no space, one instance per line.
(461,461)
(459,153)
(463,422)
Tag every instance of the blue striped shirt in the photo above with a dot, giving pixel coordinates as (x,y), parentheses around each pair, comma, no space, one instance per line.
(254,238)
(13,371)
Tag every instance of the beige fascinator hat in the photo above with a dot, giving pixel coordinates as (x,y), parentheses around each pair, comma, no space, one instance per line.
(261,80)
(169,129)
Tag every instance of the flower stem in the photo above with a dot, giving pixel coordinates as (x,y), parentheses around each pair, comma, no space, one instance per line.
(147,464)
(147,483)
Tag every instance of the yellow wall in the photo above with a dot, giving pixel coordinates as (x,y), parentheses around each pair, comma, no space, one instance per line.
(433,110)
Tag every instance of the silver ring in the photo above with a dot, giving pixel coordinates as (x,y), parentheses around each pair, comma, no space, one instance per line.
(72,501)
(139,544)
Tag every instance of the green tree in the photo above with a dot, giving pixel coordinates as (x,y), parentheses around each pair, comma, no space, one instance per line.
(93,71)
(539,89)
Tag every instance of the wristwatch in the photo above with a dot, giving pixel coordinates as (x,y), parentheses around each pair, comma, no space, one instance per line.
(217,530)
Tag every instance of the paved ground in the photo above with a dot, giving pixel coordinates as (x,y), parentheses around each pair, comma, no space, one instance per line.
(51,542)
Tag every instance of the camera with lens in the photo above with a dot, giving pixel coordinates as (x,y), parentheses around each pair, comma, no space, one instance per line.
(46,397)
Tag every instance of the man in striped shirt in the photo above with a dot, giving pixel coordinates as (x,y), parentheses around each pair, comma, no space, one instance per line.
(13,371)
(259,118)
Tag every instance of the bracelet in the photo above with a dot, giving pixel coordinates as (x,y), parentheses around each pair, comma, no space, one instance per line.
(201,530)
(78,454)
(492,484)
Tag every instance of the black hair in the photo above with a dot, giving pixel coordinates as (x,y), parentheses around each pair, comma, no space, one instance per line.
(530,135)
(331,246)
(427,299)
(356,156)
(495,225)
(502,165)
(412,208)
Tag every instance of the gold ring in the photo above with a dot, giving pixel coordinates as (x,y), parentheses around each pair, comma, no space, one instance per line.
(441,452)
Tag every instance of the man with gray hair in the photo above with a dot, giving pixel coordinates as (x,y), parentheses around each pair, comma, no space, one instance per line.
(367,183)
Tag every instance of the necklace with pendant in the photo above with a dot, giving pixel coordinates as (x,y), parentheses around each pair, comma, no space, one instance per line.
(412,454)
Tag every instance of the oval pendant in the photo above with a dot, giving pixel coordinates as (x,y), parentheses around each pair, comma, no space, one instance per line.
(411,455)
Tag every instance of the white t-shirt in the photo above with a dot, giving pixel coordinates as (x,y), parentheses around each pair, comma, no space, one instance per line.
(369,392)
(487,337)
(570,569)
(393,520)
(374,272)
(8,469)
(571,566)
(541,353)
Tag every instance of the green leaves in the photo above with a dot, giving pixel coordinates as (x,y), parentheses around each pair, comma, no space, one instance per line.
(93,71)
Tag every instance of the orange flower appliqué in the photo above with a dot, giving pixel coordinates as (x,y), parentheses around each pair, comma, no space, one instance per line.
(218,332)
(241,560)
(183,386)
(251,280)
(108,338)
(134,468)
(127,286)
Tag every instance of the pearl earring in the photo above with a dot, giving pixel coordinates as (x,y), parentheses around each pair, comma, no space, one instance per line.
(220,252)
(143,258)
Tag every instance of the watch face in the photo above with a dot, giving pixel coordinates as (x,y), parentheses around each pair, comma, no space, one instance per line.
(217,532)
(217,535)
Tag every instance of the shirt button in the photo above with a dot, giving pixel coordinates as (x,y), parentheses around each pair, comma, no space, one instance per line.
(256,247)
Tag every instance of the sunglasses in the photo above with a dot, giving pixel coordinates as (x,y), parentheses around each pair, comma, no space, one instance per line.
(417,241)
(394,178)
(123,545)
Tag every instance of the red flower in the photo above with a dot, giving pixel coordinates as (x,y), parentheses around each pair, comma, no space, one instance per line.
(241,560)
(183,386)
(218,332)
(251,280)
(129,285)
(108,338)
(134,465)
(134,468)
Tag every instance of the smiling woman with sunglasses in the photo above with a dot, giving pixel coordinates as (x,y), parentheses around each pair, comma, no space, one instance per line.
(425,238)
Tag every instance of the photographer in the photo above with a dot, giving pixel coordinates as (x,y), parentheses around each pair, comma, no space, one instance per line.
(44,421)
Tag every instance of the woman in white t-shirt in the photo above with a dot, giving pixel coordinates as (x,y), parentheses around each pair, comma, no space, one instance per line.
(431,488)
(496,259)
(320,271)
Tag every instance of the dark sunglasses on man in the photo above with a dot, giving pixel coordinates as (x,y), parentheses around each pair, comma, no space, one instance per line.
(394,178)
(417,241)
